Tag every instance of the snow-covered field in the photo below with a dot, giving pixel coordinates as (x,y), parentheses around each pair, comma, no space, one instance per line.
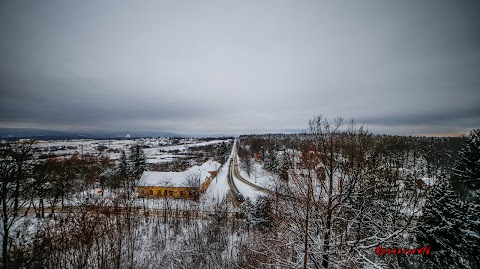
(157,150)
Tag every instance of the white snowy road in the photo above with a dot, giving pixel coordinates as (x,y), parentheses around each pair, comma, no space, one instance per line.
(245,187)
(221,186)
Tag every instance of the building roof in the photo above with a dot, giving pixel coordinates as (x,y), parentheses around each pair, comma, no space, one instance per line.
(178,179)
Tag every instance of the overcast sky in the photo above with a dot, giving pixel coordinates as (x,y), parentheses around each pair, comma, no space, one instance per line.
(233,67)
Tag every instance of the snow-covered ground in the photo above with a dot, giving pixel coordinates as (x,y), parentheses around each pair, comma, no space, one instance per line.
(259,176)
(157,150)
(217,191)
(218,188)
(247,191)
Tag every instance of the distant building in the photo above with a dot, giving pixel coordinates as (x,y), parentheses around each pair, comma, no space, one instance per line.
(188,184)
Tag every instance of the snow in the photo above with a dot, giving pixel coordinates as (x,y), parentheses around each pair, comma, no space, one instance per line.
(247,191)
(428,181)
(218,188)
(471,233)
(166,203)
(171,179)
(178,179)
(155,148)
(259,176)
(215,193)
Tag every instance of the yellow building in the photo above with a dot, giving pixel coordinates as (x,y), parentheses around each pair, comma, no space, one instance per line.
(188,184)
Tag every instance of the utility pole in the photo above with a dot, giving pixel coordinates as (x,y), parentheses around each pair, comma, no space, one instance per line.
(81,165)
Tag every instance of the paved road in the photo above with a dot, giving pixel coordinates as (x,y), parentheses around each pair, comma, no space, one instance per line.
(235,194)
(236,173)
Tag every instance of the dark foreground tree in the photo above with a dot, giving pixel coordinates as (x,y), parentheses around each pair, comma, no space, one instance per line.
(466,173)
(451,228)
(15,171)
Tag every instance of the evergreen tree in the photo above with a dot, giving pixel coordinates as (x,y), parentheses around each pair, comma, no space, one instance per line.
(121,169)
(137,162)
(466,180)
(263,213)
(286,165)
(466,173)
(247,161)
(271,162)
(222,152)
(121,172)
(440,226)
(470,233)
(258,215)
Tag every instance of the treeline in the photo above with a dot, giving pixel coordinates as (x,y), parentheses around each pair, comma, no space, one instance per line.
(437,153)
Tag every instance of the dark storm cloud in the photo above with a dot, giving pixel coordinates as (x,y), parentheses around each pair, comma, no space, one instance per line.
(248,66)
(99,107)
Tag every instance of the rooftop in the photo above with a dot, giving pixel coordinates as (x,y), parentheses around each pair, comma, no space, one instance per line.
(178,179)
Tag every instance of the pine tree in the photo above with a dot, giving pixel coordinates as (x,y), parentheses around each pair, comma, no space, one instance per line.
(470,233)
(137,162)
(222,152)
(258,215)
(121,172)
(121,169)
(247,161)
(262,213)
(439,228)
(271,162)
(248,210)
(466,173)
(466,179)
(286,165)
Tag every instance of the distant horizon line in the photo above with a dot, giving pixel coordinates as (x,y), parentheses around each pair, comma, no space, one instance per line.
(151,133)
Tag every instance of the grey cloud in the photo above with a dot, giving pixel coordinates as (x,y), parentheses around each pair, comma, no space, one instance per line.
(246,66)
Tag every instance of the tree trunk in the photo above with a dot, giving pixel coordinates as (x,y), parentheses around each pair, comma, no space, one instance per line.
(326,246)
(5,257)
(306,226)
(42,208)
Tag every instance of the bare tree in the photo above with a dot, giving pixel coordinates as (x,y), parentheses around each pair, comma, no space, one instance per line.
(193,180)
(15,171)
(329,212)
